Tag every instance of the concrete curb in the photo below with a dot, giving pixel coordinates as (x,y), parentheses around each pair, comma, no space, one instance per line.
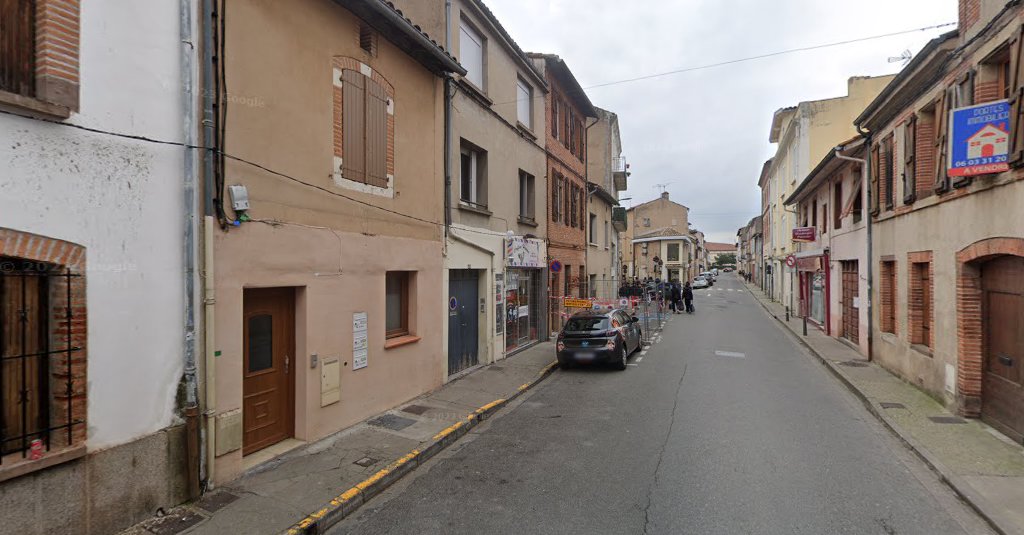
(961,488)
(349,501)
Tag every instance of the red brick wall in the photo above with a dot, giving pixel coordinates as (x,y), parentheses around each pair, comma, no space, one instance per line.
(57,43)
(970,11)
(970,325)
(986,91)
(566,243)
(64,257)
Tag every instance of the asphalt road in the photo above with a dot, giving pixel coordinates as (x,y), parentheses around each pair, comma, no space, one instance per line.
(724,426)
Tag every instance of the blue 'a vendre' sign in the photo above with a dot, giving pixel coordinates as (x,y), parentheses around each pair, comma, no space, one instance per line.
(979,140)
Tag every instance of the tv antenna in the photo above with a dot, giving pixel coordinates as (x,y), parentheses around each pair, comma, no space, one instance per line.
(662,187)
(904,58)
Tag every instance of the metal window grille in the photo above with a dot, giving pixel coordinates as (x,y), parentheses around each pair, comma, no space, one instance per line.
(36,353)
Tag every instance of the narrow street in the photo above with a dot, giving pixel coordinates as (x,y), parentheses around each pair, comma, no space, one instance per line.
(725,426)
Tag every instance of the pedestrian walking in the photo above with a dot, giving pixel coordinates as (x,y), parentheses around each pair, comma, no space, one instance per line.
(676,298)
(688,297)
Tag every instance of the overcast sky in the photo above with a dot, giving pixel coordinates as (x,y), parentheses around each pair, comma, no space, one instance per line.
(705,133)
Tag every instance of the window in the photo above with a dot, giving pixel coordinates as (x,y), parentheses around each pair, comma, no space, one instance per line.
(396,303)
(887,172)
(39,55)
(42,357)
(473,177)
(647,222)
(567,119)
(18,53)
(909,163)
(524,103)
(858,205)
(365,136)
(887,297)
(919,299)
(592,229)
(814,214)
(557,193)
(606,236)
(837,205)
(471,51)
(672,253)
(554,118)
(824,218)
(526,195)
(367,38)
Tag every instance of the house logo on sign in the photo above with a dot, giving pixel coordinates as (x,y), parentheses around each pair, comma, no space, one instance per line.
(988,142)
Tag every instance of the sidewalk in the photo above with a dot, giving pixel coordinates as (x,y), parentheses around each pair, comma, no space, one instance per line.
(321,483)
(982,466)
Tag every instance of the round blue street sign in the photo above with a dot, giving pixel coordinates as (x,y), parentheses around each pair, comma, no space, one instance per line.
(453,303)
(555,266)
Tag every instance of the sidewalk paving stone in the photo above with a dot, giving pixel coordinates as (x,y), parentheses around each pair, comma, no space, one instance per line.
(274,496)
(983,466)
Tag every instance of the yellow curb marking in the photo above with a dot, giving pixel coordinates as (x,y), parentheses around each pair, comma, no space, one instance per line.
(447,431)
(524,386)
(372,479)
(490,405)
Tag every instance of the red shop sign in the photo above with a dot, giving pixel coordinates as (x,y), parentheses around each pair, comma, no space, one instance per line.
(804,234)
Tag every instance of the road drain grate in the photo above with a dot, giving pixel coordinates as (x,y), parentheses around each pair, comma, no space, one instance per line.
(415,409)
(892,405)
(947,420)
(854,364)
(392,422)
(212,503)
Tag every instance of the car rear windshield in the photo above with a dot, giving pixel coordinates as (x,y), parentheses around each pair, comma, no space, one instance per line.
(596,323)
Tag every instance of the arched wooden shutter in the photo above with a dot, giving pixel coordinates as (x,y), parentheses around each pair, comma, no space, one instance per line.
(941,177)
(353,94)
(909,160)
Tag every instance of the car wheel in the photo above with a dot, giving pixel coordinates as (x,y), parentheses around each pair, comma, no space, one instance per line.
(623,355)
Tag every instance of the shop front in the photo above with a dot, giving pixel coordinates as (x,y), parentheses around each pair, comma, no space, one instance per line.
(814,289)
(524,293)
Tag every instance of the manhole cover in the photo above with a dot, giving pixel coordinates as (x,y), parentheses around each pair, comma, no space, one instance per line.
(392,422)
(415,409)
(947,420)
(216,501)
(366,461)
(892,405)
(854,363)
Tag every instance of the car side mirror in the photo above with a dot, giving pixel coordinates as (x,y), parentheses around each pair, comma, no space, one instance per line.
(634,319)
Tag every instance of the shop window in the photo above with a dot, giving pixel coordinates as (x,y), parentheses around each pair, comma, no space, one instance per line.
(672,253)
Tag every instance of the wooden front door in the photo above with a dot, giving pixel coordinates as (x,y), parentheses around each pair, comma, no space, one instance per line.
(851,291)
(268,341)
(1002,397)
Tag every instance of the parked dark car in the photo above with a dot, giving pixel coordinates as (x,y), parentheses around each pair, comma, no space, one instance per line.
(596,336)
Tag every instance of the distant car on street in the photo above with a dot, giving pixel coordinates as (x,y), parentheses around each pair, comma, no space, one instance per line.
(595,336)
(727,269)
(710,277)
(700,282)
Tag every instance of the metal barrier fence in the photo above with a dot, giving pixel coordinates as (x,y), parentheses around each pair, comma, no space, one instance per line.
(645,303)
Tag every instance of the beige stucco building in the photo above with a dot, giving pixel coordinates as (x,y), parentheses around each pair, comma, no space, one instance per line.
(328,282)
(804,134)
(947,244)
(659,228)
(607,174)
(495,254)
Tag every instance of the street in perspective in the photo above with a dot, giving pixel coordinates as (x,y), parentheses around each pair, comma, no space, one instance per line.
(511,266)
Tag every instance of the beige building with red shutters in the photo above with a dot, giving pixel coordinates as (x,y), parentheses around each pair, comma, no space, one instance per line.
(948,252)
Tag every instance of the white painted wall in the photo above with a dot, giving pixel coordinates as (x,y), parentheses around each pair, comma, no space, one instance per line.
(122,200)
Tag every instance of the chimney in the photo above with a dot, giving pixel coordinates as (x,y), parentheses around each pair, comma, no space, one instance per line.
(970,13)
(664,195)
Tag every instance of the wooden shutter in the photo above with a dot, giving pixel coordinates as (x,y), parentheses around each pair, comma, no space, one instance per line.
(876,168)
(941,176)
(18,47)
(554,117)
(567,191)
(554,198)
(1016,97)
(909,149)
(376,134)
(353,95)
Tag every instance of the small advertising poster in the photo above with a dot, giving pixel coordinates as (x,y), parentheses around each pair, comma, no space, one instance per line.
(979,139)
(360,345)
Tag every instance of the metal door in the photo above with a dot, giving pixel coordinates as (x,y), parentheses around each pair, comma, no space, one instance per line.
(268,347)
(851,291)
(1002,397)
(463,319)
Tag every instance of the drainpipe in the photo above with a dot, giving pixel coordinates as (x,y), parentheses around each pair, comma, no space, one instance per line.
(586,180)
(866,174)
(209,300)
(208,107)
(447,124)
(191,409)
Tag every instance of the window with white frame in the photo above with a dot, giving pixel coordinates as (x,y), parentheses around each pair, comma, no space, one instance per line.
(524,103)
(526,195)
(592,229)
(473,178)
(471,53)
